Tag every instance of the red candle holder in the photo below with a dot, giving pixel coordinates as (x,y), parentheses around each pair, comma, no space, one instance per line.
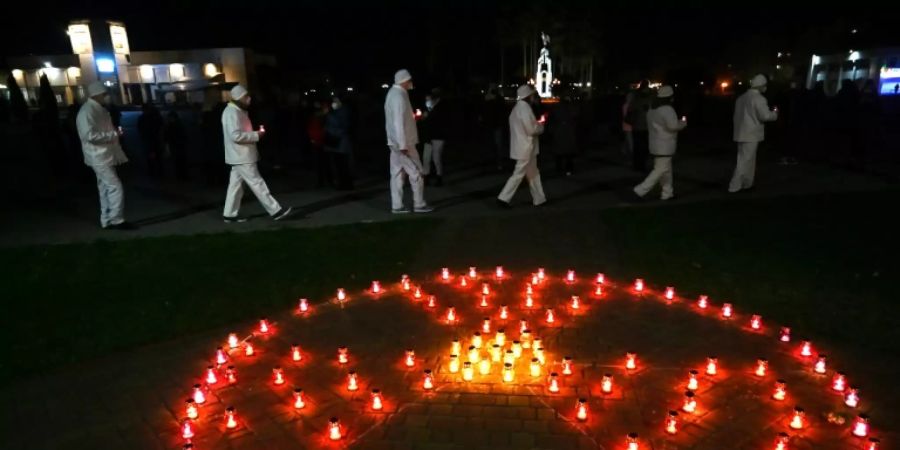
(873,444)
(299,401)
(806,349)
(210,377)
(781,441)
(690,402)
(278,376)
(190,409)
(839,382)
(549,316)
(198,395)
(187,430)
(785,335)
(352,384)
(567,365)
(727,311)
(410,360)
(231,374)
(432,302)
(376,287)
(473,274)
(303,306)
(343,355)
(233,341)
(553,383)
(756,322)
(631,361)
(263,326)
(606,383)
(639,285)
(600,278)
(377,400)
(798,421)
(445,274)
(581,410)
(851,398)
(672,422)
(334,429)
(248,349)
(632,441)
(761,365)
(541,274)
(427,380)
(861,426)
(670,293)
(499,273)
(295,353)
(692,383)
(780,392)
(570,276)
(451,315)
(504,312)
(712,366)
(576,302)
(529,302)
(703,302)
(230,418)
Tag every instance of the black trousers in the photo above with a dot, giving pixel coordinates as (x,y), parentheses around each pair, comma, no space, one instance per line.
(641,150)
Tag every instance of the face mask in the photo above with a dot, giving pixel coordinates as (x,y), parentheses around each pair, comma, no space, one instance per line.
(429,104)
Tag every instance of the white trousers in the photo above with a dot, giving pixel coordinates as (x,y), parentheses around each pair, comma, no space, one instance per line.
(247,173)
(662,175)
(403,167)
(112,195)
(528,169)
(434,151)
(745,168)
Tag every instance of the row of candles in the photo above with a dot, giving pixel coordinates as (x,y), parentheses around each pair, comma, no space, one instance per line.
(509,357)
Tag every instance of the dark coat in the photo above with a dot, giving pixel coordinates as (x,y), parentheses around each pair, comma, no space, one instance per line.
(562,130)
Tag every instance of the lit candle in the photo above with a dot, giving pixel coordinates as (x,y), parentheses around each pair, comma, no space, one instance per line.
(523,325)
(780,390)
(575,301)
(484,366)
(537,343)
(410,358)
(606,383)
(535,367)
(785,335)
(541,274)
(692,380)
(549,316)
(376,287)
(504,312)
(761,365)
(630,361)
(486,325)
(187,431)
(851,398)
(445,274)
(299,402)
(278,376)
(703,302)
(451,314)
(406,284)
(539,354)
(535,279)
(231,375)
(484,302)
(598,291)
(797,421)
(639,285)
(499,272)
(463,282)
(525,337)
(581,409)
(806,349)
(295,353)
(781,442)
(756,322)
(230,420)
(455,347)
(377,401)
(351,381)
(343,355)
(600,278)
(211,375)
(453,365)
(873,444)
(473,274)
(190,409)
(334,429)
(418,293)
(500,337)
(633,441)
(198,395)
(248,349)
(496,353)
(517,349)
(432,302)
(474,354)
(690,403)
(427,380)
(476,340)
(529,302)
(509,357)
(553,385)
(303,306)
(528,289)
(839,382)
(263,326)
(232,340)
(567,365)
(861,426)
(468,372)
(670,293)
(188,446)
(508,373)
(341,295)
(570,276)
(672,422)
(727,310)
(712,365)
(820,367)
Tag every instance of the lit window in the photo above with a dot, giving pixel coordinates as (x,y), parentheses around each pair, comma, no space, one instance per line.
(106,65)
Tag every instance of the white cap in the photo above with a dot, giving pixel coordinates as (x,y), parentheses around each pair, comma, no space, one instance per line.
(665,92)
(96,88)
(401,76)
(758,81)
(524,91)
(237,92)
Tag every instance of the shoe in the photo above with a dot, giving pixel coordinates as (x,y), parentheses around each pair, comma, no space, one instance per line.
(282,213)
(403,210)
(424,209)
(541,204)
(502,204)
(235,219)
(124,226)
(634,197)
(671,197)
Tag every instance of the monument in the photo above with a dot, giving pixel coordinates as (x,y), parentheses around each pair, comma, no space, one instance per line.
(544,78)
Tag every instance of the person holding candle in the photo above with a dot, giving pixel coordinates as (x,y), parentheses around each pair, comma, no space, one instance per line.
(750,113)
(402,137)
(524,147)
(663,126)
(241,154)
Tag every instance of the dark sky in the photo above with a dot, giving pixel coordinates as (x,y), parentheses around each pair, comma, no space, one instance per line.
(347,38)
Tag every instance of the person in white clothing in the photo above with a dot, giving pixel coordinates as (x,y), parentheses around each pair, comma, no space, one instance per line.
(241,154)
(524,146)
(103,152)
(750,112)
(663,127)
(402,137)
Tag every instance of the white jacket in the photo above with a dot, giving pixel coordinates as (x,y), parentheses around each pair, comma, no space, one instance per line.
(663,126)
(399,120)
(524,130)
(99,138)
(240,139)
(750,111)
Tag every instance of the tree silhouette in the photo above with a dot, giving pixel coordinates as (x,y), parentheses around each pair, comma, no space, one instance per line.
(17,105)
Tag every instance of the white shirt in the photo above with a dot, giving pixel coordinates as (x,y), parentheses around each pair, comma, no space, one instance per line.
(524,130)
(240,139)
(663,127)
(99,138)
(750,111)
(399,120)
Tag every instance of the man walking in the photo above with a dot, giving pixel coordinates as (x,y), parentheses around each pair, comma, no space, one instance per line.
(524,146)
(750,113)
(241,154)
(402,137)
(663,127)
(102,153)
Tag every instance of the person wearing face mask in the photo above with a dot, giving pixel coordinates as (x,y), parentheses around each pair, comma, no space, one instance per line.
(435,122)
(402,137)
(102,153)
(751,111)
(338,144)
(241,154)
(524,146)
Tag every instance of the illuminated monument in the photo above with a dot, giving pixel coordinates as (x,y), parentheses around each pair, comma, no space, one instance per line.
(544,78)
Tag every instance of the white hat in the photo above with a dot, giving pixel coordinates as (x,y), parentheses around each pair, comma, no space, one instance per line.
(237,92)
(96,88)
(758,81)
(401,76)
(524,91)
(665,92)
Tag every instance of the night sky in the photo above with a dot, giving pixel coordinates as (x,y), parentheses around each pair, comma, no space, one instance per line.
(350,39)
